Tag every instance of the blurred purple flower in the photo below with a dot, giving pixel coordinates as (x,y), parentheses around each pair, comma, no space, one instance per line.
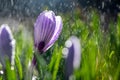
(72,53)
(46,30)
(7,45)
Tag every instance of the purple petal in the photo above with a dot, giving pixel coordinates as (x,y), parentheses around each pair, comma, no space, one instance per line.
(58,29)
(73,55)
(7,44)
(77,51)
(37,28)
(50,26)
(69,62)
(44,27)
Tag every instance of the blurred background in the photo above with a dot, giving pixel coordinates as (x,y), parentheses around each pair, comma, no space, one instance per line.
(26,11)
(95,22)
(15,11)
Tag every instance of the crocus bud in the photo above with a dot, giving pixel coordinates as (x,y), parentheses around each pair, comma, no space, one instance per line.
(72,53)
(7,45)
(47,29)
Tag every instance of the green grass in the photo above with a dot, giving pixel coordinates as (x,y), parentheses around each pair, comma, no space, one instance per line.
(100,50)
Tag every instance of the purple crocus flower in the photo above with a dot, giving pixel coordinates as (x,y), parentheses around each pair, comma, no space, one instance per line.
(46,30)
(72,53)
(7,45)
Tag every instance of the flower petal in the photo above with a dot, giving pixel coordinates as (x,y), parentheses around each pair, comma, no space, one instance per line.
(50,26)
(44,27)
(77,51)
(58,29)
(37,28)
(7,44)
(73,56)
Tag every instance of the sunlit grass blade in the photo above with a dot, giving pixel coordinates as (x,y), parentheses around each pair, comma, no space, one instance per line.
(9,72)
(58,53)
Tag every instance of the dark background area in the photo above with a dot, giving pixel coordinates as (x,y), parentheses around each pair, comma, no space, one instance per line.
(31,8)
(27,10)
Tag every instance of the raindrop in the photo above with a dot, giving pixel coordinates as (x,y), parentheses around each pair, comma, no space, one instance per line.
(103,4)
(65,52)
(34,78)
(68,43)
(12,3)
(1,72)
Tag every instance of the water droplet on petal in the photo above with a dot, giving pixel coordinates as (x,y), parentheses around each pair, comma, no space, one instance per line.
(68,43)
(65,52)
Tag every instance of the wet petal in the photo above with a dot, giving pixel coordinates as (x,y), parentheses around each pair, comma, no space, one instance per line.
(58,29)
(7,44)
(37,28)
(44,27)
(77,52)
(73,56)
(49,30)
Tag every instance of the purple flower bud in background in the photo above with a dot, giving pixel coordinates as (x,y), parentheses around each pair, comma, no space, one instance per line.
(72,53)
(46,30)
(7,45)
